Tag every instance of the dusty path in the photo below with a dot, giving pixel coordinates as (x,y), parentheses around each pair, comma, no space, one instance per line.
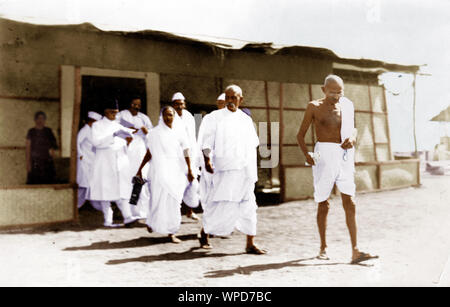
(409,229)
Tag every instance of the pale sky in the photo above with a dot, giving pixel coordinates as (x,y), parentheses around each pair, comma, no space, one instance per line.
(398,31)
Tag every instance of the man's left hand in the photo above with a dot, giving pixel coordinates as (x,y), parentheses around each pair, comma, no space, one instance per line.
(190,176)
(144,130)
(348,143)
(129,140)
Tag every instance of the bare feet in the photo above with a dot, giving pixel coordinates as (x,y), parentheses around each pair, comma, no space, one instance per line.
(253,249)
(174,239)
(323,255)
(358,256)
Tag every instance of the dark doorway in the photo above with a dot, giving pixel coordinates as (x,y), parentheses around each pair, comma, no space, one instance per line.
(94,91)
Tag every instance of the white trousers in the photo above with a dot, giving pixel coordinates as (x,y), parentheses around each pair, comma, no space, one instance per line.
(123,205)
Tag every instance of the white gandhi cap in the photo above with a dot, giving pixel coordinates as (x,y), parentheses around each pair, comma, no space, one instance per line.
(94,115)
(177,96)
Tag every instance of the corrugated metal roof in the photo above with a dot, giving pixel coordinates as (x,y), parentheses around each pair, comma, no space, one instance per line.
(246,46)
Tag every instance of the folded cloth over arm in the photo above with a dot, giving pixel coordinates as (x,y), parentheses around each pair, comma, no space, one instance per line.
(348,118)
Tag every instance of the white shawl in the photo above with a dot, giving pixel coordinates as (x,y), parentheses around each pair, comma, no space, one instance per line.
(168,166)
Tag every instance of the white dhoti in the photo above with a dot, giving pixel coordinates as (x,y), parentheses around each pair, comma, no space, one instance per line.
(164,215)
(231,204)
(230,199)
(334,165)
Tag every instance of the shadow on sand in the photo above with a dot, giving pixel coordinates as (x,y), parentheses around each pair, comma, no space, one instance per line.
(187,255)
(247,270)
(135,243)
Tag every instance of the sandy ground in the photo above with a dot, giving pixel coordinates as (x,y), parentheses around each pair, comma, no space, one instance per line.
(409,229)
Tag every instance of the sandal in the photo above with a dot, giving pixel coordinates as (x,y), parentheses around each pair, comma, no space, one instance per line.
(363,257)
(204,242)
(255,250)
(323,256)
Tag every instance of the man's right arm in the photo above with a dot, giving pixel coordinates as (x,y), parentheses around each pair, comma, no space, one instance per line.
(306,123)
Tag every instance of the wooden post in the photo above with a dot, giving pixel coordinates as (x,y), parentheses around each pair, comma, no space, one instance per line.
(372,124)
(282,179)
(73,148)
(269,127)
(387,124)
(414,116)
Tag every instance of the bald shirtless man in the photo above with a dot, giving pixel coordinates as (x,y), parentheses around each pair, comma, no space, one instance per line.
(333,158)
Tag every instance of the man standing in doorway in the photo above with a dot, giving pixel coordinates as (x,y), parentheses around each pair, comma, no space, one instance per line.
(134,119)
(111,175)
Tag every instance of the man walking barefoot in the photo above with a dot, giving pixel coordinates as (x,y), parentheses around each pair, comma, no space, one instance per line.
(333,158)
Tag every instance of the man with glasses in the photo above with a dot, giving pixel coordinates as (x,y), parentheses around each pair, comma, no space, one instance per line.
(333,158)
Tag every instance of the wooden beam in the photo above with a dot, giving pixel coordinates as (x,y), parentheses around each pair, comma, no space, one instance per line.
(73,148)
(34,225)
(49,99)
(313,130)
(37,186)
(269,129)
(12,147)
(282,172)
(387,124)
(372,124)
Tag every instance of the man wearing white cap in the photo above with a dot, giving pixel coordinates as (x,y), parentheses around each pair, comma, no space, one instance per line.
(111,175)
(86,155)
(231,202)
(184,124)
(132,118)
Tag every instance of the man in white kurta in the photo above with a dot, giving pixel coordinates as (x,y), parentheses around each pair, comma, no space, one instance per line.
(132,118)
(184,124)
(86,155)
(206,177)
(111,176)
(231,202)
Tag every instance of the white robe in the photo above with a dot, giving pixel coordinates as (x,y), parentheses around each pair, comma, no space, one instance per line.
(185,127)
(86,150)
(136,152)
(167,178)
(111,176)
(231,201)
(205,177)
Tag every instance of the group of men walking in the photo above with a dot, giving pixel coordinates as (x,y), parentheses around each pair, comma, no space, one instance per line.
(218,168)
(117,146)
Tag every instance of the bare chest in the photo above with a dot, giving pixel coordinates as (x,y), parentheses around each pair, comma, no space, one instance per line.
(328,117)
